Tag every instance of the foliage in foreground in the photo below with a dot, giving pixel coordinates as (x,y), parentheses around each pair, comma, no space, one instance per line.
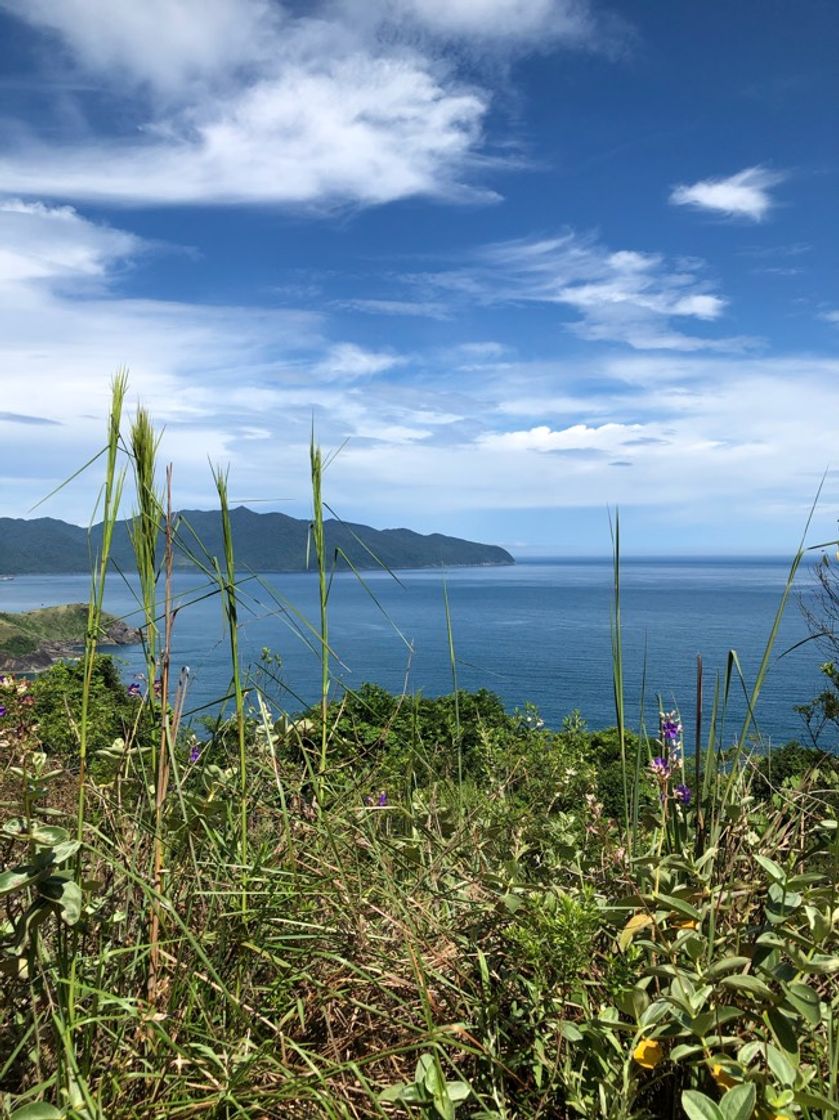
(394,906)
(489,947)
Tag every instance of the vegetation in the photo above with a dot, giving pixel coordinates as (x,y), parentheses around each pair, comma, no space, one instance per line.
(31,632)
(397,906)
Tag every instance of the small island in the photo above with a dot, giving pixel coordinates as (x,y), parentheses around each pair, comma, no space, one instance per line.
(34,640)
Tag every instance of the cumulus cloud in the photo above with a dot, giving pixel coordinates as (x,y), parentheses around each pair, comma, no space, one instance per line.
(246,102)
(355,128)
(578,437)
(744,195)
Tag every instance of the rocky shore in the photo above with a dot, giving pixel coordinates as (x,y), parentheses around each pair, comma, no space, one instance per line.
(33,641)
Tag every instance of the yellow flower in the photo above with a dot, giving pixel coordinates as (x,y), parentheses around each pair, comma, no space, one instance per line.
(722,1076)
(688,923)
(648,1053)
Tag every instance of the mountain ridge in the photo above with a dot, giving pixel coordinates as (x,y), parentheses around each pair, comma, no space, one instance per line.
(269,542)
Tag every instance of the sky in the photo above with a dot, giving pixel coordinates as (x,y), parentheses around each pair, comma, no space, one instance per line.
(521,262)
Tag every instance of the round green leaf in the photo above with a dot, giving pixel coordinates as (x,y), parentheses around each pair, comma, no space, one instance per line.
(38,1110)
(739,1102)
(699,1107)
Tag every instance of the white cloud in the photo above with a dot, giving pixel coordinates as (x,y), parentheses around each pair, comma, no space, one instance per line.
(245,102)
(346,361)
(46,243)
(744,195)
(356,128)
(165,45)
(242,385)
(830,316)
(420,309)
(578,437)
(625,296)
(237,101)
(504,20)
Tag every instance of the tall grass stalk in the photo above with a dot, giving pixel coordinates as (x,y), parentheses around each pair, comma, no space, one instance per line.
(144,531)
(227,584)
(319,543)
(455,688)
(617,668)
(168,736)
(111,496)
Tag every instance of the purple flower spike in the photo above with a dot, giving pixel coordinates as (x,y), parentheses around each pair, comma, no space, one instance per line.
(2,711)
(381,799)
(134,689)
(194,753)
(682,794)
(660,767)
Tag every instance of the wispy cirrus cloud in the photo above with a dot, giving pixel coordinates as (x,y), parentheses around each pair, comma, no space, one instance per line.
(744,195)
(508,24)
(624,296)
(22,418)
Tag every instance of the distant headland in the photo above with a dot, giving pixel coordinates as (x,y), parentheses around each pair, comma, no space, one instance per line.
(33,640)
(265,542)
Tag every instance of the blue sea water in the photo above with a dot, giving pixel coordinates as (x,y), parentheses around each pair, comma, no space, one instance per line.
(537,632)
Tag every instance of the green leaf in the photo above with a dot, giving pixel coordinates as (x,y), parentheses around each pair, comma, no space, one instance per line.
(64,850)
(727,964)
(679,905)
(772,869)
(816,1100)
(739,1102)
(408,1094)
(718,1017)
(685,1050)
(65,895)
(699,1107)
(38,1110)
(49,834)
(19,877)
(805,1001)
(783,1030)
(749,984)
(781,1066)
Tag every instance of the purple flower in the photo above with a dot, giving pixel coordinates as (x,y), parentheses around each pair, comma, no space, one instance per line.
(682,794)
(194,753)
(671,729)
(381,799)
(134,689)
(660,767)
(2,711)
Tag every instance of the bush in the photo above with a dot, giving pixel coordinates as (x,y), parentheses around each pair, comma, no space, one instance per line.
(112,713)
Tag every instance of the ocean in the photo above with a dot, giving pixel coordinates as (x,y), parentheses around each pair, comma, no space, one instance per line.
(538,632)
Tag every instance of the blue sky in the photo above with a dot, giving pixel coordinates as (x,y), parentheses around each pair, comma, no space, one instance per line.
(530,259)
